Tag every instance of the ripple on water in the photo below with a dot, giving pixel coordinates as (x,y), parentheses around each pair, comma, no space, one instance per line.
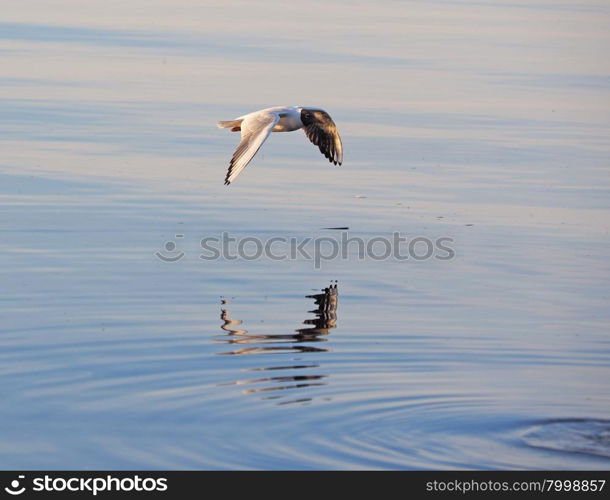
(588,436)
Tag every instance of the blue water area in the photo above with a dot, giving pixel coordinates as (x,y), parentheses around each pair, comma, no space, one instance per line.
(113,357)
(123,345)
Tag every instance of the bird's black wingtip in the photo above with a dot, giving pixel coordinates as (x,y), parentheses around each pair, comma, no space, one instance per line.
(227,183)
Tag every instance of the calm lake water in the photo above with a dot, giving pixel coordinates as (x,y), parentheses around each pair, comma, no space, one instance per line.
(485,123)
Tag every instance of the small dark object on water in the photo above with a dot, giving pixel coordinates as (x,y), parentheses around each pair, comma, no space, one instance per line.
(336,228)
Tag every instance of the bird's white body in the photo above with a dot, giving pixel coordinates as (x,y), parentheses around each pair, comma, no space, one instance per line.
(289,117)
(255,128)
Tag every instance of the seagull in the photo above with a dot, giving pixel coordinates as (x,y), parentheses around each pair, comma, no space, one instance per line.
(255,127)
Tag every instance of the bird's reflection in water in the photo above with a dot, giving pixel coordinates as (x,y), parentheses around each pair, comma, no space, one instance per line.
(315,331)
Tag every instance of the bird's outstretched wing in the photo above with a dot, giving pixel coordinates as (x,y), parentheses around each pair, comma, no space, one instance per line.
(322,131)
(255,128)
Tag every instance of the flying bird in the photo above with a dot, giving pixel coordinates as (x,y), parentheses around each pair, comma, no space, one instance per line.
(255,128)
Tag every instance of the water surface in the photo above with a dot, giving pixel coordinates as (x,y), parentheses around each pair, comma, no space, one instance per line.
(484,123)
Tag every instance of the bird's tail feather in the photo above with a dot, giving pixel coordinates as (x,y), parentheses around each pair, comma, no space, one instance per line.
(229,123)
